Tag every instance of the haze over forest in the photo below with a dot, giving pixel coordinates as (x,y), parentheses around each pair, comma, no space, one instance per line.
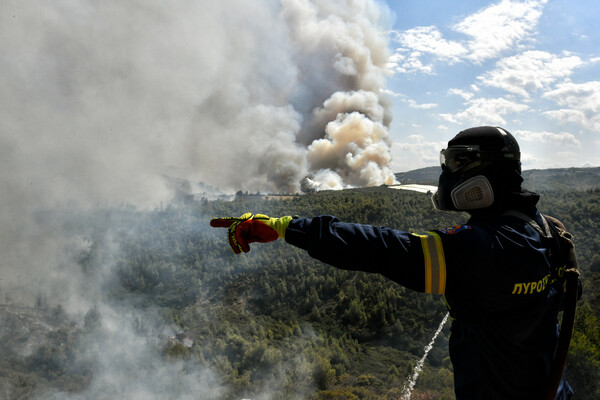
(124,302)
(117,118)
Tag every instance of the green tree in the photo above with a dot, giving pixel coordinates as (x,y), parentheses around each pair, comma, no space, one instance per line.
(583,362)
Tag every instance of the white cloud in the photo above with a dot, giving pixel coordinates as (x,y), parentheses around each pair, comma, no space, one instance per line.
(425,106)
(406,62)
(483,111)
(530,71)
(560,139)
(566,115)
(428,39)
(500,27)
(462,93)
(558,159)
(580,102)
(415,152)
(391,93)
(419,43)
(492,30)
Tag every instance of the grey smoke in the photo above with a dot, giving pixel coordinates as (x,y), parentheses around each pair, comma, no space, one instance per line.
(99,100)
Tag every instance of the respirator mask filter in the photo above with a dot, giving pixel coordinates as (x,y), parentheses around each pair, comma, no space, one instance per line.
(470,194)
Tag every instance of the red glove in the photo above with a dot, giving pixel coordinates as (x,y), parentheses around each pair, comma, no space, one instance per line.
(251,228)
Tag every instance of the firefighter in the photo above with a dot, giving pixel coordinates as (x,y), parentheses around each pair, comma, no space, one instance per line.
(497,272)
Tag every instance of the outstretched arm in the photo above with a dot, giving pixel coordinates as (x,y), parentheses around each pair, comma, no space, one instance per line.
(392,253)
(414,261)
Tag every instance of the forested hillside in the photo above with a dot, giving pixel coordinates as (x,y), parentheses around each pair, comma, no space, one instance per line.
(536,179)
(270,324)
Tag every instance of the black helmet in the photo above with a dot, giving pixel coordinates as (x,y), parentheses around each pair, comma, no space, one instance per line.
(480,166)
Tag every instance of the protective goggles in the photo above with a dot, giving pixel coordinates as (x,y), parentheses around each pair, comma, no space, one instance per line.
(457,158)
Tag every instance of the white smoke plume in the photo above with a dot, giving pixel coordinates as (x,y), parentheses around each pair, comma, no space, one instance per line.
(356,147)
(98,98)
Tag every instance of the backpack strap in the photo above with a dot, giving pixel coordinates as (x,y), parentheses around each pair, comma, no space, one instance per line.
(572,294)
(566,242)
(545,232)
(570,275)
(550,236)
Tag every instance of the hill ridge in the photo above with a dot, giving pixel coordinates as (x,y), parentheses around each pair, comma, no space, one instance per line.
(572,178)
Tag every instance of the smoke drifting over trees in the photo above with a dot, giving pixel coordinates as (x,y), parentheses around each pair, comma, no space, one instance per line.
(99,98)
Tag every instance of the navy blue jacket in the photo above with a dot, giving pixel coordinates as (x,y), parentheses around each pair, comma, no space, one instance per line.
(497,279)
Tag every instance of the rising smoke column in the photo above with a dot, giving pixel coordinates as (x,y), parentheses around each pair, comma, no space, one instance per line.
(344,53)
(323,70)
(97,99)
(355,150)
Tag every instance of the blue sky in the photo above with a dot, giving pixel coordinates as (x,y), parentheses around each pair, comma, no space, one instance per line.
(532,67)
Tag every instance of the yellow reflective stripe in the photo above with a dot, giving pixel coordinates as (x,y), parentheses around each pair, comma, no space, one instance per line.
(441,263)
(435,263)
(427,259)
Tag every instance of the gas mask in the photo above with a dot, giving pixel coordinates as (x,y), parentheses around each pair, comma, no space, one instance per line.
(463,184)
(455,194)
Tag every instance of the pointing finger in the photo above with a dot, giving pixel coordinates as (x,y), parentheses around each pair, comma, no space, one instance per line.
(222,222)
